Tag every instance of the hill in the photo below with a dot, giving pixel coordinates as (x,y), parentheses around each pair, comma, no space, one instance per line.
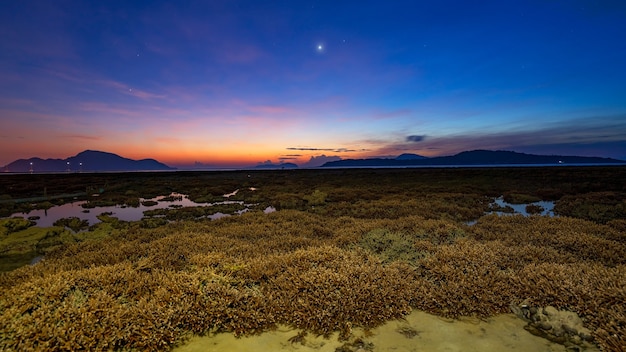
(88,160)
(410,156)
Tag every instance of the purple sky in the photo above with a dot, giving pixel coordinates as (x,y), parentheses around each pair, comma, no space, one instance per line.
(235,83)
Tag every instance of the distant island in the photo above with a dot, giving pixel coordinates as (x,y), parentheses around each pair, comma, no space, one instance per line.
(88,161)
(474,157)
(98,161)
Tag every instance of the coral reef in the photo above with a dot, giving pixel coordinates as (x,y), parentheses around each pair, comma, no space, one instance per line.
(341,264)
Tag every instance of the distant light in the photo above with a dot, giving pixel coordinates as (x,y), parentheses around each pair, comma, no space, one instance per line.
(320,47)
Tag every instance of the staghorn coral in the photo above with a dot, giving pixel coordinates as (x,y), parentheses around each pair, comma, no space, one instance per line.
(248,274)
(143,288)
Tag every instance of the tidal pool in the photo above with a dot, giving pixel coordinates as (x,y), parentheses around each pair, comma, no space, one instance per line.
(419,331)
(75,209)
(548,207)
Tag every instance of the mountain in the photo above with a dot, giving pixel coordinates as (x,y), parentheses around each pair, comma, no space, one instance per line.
(475,157)
(410,156)
(89,160)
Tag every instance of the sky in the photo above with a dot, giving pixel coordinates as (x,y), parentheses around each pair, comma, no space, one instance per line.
(237,83)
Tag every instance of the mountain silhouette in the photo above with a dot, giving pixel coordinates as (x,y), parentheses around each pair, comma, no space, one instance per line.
(475,157)
(89,160)
(410,156)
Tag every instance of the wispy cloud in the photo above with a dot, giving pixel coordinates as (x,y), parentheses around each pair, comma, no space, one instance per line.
(336,150)
(113,110)
(126,89)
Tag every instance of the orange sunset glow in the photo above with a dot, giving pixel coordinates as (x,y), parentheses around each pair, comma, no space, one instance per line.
(236,84)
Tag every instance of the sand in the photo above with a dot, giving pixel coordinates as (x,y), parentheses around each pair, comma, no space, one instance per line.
(419,331)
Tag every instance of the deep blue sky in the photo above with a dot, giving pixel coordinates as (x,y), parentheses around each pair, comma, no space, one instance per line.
(229,83)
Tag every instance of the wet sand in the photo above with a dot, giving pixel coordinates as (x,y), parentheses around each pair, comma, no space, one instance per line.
(419,331)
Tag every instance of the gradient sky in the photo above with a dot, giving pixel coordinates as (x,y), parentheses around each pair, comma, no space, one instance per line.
(235,83)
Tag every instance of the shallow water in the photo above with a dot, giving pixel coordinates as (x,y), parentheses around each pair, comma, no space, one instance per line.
(75,209)
(431,333)
(548,207)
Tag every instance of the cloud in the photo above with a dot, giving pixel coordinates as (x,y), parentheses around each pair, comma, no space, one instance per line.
(128,90)
(316,161)
(310,149)
(415,138)
(336,150)
(597,136)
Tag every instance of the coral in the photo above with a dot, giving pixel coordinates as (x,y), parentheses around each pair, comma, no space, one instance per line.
(371,252)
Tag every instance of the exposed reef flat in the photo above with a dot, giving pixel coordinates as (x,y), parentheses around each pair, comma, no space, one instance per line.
(344,250)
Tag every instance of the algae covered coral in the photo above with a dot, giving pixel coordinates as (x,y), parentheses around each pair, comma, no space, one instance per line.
(346,248)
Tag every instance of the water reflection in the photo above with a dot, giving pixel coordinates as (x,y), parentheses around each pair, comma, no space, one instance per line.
(548,207)
(47,217)
(228,195)
(504,208)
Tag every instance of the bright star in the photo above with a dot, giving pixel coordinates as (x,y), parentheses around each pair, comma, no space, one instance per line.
(320,47)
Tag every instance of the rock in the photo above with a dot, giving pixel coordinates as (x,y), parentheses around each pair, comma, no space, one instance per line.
(576,339)
(535,318)
(560,326)
(545,326)
(585,336)
(570,330)
(550,311)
